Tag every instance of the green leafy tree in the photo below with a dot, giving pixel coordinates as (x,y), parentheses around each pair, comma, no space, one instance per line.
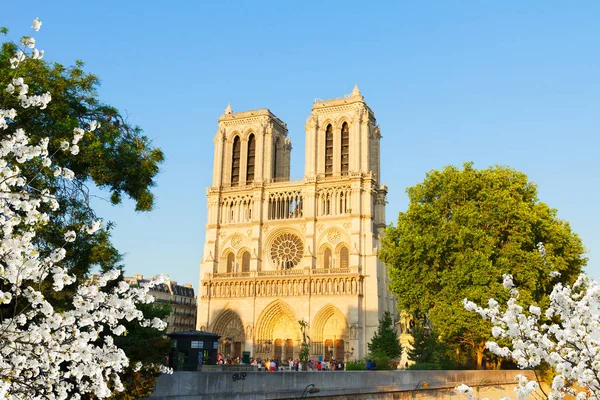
(118,158)
(463,230)
(385,340)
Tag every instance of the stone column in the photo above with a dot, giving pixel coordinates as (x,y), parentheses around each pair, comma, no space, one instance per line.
(218,161)
(355,144)
(310,153)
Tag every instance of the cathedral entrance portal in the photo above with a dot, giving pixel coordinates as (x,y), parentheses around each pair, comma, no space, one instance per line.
(329,333)
(229,325)
(277,329)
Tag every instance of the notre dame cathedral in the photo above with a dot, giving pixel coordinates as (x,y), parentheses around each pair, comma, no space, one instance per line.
(279,251)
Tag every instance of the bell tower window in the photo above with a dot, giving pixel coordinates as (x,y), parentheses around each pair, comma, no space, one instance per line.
(329,151)
(345,148)
(250,159)
(235,162)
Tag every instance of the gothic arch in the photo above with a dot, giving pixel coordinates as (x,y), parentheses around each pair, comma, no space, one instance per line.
(229,324)
(333,236)
(332,319)
(223,259)
(247,134)
(233,135)
(340,121)
(245,260)
(270,318)
(229,242)
(325,256)
(323,125)
(342,252)
(241,251)
(339,246)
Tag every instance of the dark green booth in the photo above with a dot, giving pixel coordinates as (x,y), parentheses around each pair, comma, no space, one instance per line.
(192,349)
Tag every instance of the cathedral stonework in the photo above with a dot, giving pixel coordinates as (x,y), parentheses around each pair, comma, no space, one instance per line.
(280,251)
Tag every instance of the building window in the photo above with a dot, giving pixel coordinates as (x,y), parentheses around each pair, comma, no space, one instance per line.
(230,262)
(286,251)
(250,159)
(197,344)
(329,151)
(344,257)
(345,148)
(327,259)
(235,162)
(246,262)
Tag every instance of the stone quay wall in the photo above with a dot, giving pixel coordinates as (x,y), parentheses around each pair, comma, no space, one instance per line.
(355,385)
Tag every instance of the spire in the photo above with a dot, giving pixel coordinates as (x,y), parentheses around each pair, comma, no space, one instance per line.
(355,91)
(228,110)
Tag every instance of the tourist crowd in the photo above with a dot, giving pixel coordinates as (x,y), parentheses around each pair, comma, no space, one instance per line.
(289,365)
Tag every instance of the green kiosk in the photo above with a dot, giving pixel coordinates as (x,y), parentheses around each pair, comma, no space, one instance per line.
(192,349)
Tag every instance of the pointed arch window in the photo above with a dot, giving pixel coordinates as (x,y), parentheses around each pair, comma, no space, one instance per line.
(230,262)
(327,259)
(250,159)
(235,162)
(329,151)
(345,137)
(344,257)
(246,262)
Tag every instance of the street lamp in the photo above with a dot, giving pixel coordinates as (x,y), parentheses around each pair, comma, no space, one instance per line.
(422,384)
(309,389)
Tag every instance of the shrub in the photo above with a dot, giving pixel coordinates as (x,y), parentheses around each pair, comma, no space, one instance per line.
(356,366)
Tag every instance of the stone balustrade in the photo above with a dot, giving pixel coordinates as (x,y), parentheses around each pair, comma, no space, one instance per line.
(278,283)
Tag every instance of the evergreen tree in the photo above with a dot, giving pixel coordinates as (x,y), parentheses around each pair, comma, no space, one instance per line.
(385,340)
(426,347)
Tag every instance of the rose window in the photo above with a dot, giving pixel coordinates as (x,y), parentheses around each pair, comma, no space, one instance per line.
(286,251)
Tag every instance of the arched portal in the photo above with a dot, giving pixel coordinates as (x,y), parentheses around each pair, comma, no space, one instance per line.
(277,330)
(229,325)
(329,333)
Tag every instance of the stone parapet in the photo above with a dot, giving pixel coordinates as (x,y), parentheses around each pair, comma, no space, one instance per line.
(346,384)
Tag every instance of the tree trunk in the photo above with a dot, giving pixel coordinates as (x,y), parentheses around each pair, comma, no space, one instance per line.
(479,351)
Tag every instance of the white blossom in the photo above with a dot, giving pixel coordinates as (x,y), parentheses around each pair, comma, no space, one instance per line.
(564,336)
(37,24)
(94,227)
(28,42)
(508,281)
(47,354)
(70,236)
(94,125)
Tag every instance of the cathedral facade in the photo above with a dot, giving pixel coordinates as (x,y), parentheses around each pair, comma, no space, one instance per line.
(279,251)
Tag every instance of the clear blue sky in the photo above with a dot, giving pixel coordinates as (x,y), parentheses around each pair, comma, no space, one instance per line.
(512,83)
